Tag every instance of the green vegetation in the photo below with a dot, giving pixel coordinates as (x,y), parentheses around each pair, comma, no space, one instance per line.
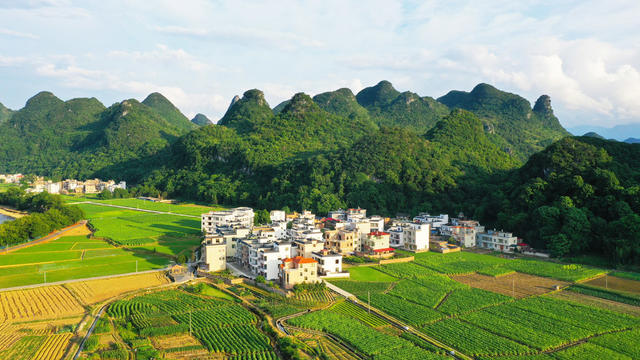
(48,214)
(364,338)
(172,235)
(464,300)
(510,118)
(368,273)
(62,259)
(579,195)
(626,275)
(221,326)
(347,308)
(123,141)
(625,342)
(619,296)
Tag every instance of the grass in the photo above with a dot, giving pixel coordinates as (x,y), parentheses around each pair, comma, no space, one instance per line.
(608,294)
(212,291)
(369,273)
(626,275)
(72,257)
(172,235)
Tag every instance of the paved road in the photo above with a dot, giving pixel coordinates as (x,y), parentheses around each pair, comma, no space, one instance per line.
(78,280)
(90,331)
(49,237)
(137,209)
(344,293)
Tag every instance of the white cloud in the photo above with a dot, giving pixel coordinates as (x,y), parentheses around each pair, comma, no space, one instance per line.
(164,55)
(18,34)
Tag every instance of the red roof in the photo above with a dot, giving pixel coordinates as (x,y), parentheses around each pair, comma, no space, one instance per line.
(332,219)
(378,233)
(383,250)
(300,260)
(523,244)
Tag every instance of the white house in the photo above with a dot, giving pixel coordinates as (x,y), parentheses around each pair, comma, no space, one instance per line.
(238,217)
(434,221)
(214,253)
(329,262)
(497,240)
(277,216)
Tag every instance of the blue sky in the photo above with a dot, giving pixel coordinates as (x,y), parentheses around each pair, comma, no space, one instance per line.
(584,54)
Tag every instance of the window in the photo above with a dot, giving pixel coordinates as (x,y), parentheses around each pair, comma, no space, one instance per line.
(337,261)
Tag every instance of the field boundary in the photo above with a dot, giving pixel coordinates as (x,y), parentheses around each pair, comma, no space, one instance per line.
(137,209)
(80,280)
(49,237)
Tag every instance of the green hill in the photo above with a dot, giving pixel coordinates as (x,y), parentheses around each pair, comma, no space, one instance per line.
(389,107)
(579,195)
(341,102)
(5,113)
(201,120)
(80,137)
(521,130)
(168,111)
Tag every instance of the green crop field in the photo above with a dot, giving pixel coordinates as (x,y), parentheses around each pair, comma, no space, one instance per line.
(366,339)
(71,257)
(369,273)
(484,324)
(221,326)
(168,234)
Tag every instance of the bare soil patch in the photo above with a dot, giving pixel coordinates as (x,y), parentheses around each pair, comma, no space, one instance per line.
(616,283)
(598,302)
(518,284)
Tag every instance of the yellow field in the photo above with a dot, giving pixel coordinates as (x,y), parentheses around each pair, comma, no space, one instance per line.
(53,348)
(38,303)
(94,291)
(79,231)
(8,335)
(173,341)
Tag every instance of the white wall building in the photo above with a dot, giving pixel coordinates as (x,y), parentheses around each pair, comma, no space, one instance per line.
(434,221)
(377,223)
(329,262)
(214,253)
(277,216)
(241,217)
(497,240)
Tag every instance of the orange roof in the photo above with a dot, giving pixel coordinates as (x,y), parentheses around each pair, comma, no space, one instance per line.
(300,260)
(378,233)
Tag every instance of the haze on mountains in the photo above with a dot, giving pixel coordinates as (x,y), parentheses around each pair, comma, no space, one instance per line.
(487,153)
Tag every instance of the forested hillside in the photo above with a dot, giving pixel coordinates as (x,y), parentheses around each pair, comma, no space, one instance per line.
(581,194)
(80,138)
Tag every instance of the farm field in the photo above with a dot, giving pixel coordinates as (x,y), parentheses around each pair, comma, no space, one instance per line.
(72,257)
(447,298)
(523,284)
(616,283)
(224,328)
(38,304)
(181,208)
(368,273)
(95,291)
(172,235)
(597,302)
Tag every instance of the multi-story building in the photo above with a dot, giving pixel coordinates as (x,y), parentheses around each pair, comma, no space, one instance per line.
(340,241)
(298,270)
(434,221)
(377,223)
(262,257)
(231,237)
(375,242)
(464,232)
(329,262)
(277,216)
(214,256)
(416,237)
(241,217)
(363,228)
(497,240)
(304,248)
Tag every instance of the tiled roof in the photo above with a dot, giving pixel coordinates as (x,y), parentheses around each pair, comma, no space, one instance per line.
(383,250)
(300,260)
(378,233)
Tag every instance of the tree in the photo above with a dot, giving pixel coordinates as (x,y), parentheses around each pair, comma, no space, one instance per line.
(261,217)
(559,245)
(105,195)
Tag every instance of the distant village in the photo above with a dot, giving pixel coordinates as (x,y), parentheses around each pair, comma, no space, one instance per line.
(65,187)
(304,248)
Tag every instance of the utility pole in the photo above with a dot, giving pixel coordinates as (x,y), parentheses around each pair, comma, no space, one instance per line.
(136,265)
(190,322)
(606,281)
(45,277)
(513,288)
(369,301)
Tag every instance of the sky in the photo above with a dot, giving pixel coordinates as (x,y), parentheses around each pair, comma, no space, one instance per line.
(200,53)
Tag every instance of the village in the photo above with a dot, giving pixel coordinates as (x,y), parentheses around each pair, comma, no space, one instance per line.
(299,248)
(65,187)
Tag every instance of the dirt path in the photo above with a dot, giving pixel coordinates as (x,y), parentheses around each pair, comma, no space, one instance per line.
(45,239)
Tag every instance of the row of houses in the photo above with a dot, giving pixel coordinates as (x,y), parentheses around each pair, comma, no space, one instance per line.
(10,178)
(284,249)
(71,186)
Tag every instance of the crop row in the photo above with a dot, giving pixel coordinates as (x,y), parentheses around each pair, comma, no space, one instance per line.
(233,339)
(411,313)
(264,355)
(408,270)
(473,340)
(347,308)
(364,338)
